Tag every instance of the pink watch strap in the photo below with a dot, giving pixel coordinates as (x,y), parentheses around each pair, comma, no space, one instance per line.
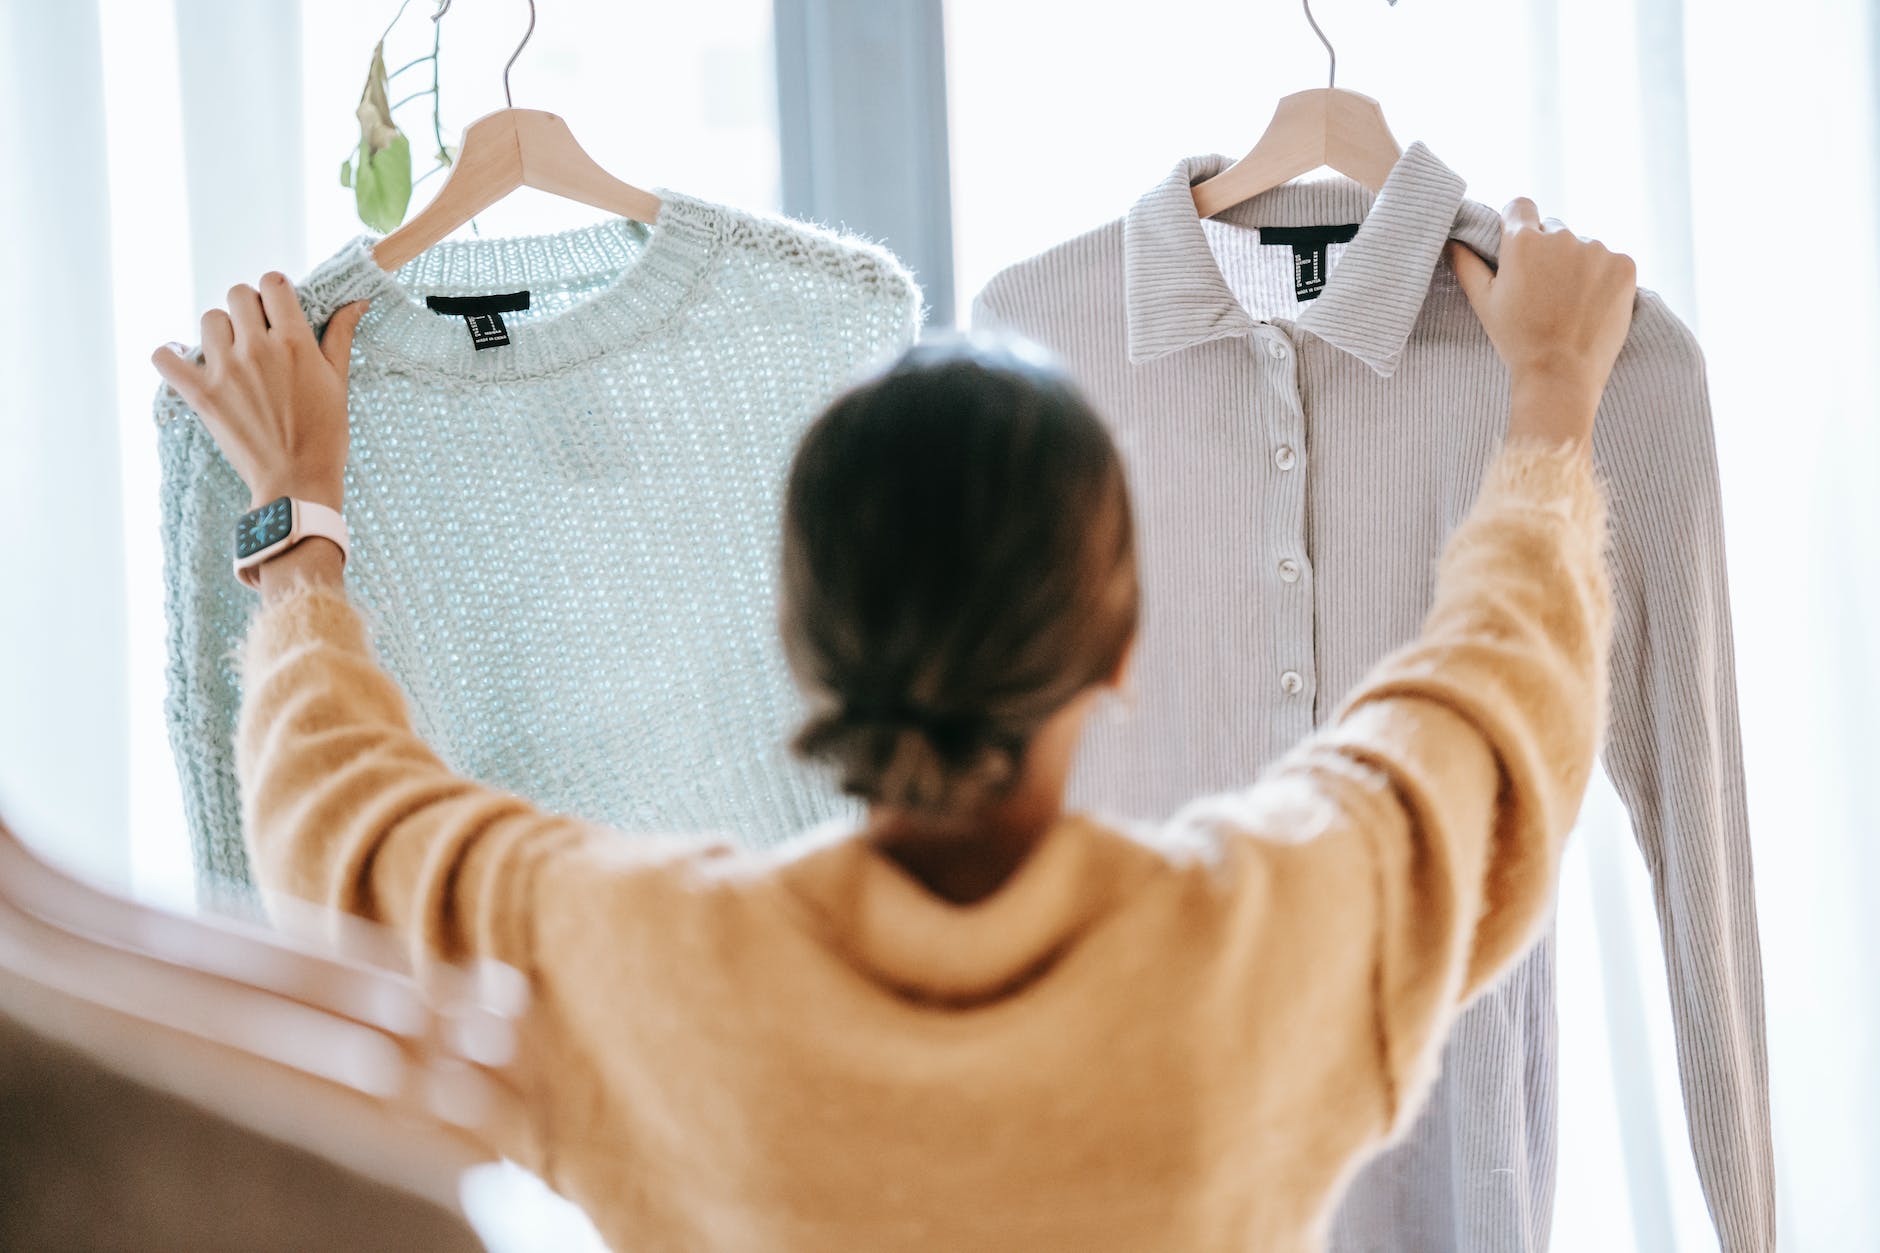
(310,519)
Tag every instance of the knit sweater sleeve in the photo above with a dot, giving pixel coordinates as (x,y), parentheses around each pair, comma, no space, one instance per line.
(1429,815)
(343,804)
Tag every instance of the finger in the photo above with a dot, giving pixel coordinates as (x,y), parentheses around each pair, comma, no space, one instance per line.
(244,310)
(1521,213)
(218,335)
(336,342)
(1471,271)
(282,307)
(1554,224)
(180,372)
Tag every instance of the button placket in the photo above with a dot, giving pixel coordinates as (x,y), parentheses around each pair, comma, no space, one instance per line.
(1291,622)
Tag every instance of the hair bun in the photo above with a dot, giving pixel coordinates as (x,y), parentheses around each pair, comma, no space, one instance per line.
(939,725)
(912,757)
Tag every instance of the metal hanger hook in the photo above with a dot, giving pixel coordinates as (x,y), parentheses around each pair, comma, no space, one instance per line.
(1330,51)
(443,7)
(1332,80)
(526,36)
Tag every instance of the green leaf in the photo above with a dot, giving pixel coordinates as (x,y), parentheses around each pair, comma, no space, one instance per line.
(382,186)
(345,172)
(380,174)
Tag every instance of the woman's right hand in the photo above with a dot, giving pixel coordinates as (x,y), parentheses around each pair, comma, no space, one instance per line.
(1557,310)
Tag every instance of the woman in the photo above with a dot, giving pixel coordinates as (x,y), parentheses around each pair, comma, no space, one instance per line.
(975,1022)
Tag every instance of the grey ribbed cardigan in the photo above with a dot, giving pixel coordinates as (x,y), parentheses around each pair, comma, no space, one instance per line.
(1296,468)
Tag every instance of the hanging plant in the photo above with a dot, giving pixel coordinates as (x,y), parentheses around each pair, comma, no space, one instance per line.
(379,169)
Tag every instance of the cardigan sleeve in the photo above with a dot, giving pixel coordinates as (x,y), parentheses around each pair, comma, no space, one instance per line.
(1411,846)
(343,804)
(1676,758)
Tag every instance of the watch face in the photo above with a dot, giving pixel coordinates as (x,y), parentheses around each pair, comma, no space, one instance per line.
(265,526)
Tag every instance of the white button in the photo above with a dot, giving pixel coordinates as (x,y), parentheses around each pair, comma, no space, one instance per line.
(1289,570)
(1283,457)
(1275,350)
(1292,683)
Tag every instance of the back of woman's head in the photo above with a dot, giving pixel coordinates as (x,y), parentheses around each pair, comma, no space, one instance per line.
(958,565)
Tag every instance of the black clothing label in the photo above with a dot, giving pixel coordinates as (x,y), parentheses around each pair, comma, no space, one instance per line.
(482,314)
(1308,245)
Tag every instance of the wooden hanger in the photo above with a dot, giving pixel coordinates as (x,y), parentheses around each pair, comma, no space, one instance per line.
(1322,126)
(502,151)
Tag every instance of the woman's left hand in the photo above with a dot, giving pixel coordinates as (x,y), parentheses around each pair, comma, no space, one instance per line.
(273,396)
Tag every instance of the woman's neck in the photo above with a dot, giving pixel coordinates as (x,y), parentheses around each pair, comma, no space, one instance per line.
(965,858)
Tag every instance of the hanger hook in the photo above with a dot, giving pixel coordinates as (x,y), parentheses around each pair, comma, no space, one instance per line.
(443,7)
(1332,81)
(526,36)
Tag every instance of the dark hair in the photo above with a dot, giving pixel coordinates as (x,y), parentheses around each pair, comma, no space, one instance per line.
(958,564)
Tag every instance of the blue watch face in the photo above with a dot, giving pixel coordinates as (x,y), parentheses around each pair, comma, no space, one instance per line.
(266,526)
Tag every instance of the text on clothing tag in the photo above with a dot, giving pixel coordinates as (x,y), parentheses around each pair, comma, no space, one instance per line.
(482,314)
(1308,244)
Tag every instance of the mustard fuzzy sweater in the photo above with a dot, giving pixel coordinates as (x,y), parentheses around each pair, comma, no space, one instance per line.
(1182,1037)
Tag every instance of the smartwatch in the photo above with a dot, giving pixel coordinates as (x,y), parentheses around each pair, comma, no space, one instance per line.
(277,526)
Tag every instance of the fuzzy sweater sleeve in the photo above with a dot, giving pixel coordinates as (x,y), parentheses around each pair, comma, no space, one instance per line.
(343,804)
(1483,732)
(1411,847)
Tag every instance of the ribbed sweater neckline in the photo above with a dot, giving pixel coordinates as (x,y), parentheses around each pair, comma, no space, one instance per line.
(645,276)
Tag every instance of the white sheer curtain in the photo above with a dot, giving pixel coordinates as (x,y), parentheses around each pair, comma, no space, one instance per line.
(114,120)
(1734,152)
(64,748)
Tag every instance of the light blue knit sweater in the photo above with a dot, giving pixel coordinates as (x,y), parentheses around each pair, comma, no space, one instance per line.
(566,544)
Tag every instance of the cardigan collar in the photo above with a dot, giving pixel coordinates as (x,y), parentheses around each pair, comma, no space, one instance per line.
(1177,298)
